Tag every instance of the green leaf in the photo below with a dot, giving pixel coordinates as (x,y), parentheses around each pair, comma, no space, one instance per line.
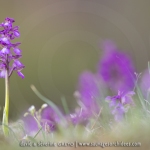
(50,103)
(5,123)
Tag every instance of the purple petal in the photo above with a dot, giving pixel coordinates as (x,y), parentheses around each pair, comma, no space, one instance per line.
(16,57)
(17,34)
(9,20)
(2,66)
(15,45)
(6,24)
(112,103)
(17,51)
(119,112)
(18,65)
(50,117)
(20,74)
(15,28)
(1,25)
(2,74)
(5,40)
(5,50)
(49,114)
(128,100)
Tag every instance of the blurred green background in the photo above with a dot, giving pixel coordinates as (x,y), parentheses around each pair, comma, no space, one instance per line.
(61,38)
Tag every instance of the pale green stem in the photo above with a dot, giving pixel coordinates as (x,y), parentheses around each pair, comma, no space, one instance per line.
(6,108)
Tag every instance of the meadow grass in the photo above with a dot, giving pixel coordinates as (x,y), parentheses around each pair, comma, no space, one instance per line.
(135,127)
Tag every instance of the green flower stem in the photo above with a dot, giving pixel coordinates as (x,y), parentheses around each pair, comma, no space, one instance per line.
(6,108)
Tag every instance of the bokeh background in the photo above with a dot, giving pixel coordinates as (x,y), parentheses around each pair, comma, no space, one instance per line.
(61,38)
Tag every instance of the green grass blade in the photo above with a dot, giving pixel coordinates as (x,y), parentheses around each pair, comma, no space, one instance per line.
(40,127)
(64,103)
(37,133)
(50,103)
(13,133)
(5,121)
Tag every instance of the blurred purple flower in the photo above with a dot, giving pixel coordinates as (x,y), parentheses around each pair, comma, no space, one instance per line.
(9,51)
(145,84)
(46,116)
(116,68)
(119,104)
(89,91)
(49,117)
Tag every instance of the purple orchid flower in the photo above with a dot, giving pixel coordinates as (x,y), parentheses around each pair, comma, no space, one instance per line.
(9,51)
(9,54)
(119,104)
(116,68)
